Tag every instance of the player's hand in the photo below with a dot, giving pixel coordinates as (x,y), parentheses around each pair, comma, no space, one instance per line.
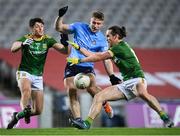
(62,11)
(114,80)
(64,38)
(73,61)
(28,41)
(74,45)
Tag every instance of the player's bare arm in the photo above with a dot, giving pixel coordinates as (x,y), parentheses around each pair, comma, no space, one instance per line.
(86,52)
(59,25)
(16,46)
(108,66)
(97,57)
(82,50)
(61,48)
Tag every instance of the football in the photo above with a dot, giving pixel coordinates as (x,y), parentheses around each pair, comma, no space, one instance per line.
(81,81)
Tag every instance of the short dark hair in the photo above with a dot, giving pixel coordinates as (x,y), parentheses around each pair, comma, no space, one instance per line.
(32,21)
(98,15)
(121,31)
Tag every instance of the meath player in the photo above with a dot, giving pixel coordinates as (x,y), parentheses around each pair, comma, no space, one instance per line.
(134,84)
(34,48)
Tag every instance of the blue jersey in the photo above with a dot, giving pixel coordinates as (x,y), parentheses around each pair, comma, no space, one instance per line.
(85,38)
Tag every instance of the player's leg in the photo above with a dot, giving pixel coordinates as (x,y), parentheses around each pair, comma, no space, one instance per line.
(37,102)
(110,93)
(37,97)
(25,88)
(73,97)
(94,89)
(153,103)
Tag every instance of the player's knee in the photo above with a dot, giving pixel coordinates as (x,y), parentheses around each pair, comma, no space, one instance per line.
(92,90)
(72,92)
(98,98)
(26,93)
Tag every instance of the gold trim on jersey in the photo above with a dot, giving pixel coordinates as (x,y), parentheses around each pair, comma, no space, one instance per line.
(37,39)
(111,53)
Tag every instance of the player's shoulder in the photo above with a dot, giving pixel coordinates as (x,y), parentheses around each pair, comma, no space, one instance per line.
(79,24)
(46,36)
(27,36)
(100,34)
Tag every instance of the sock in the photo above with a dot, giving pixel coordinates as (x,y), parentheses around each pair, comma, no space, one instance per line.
(163,116)
(89,121)
(20,115)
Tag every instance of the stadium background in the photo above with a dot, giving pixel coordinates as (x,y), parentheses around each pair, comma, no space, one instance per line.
(153,31)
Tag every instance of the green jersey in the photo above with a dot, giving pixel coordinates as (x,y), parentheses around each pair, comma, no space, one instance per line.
(34,56)
(126,60)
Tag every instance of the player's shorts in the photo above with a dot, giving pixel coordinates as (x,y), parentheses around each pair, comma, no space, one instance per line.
(36,81)
(128,88)
(75,69)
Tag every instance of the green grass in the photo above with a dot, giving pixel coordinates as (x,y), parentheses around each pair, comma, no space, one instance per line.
(93,131)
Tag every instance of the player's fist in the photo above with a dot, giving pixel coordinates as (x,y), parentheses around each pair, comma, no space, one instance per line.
(28,41)
(64,38)
(114,80)
(74,45)
(62,11)
(73,61)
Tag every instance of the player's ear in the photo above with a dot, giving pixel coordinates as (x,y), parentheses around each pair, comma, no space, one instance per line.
(117,36)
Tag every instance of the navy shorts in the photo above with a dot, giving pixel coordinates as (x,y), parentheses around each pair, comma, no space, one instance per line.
(75,69)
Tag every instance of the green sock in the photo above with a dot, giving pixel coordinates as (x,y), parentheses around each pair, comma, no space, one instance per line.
(163,115)
(20,115)
(89,121)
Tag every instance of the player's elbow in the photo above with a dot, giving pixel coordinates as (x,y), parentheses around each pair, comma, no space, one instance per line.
(13,50)
(57,28)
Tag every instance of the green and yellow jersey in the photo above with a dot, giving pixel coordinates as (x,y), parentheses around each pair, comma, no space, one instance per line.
(126,60)
(34,56)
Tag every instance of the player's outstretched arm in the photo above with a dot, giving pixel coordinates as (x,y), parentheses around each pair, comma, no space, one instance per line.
(17,45)
(61,48)
(82,50)
(93,58)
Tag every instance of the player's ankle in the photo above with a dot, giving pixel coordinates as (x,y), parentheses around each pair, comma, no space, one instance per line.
(89,121)
(163,115)
(20,115)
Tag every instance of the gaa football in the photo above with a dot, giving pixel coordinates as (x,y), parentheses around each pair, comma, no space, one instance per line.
(81,81)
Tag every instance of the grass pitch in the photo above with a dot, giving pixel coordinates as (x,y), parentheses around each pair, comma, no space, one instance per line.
(93,131)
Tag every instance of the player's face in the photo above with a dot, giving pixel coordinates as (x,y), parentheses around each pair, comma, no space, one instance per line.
(38,29)
(96,24)
(110,38)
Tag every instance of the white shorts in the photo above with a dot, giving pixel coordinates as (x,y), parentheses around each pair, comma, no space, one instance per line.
(128,87)
(36,81)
